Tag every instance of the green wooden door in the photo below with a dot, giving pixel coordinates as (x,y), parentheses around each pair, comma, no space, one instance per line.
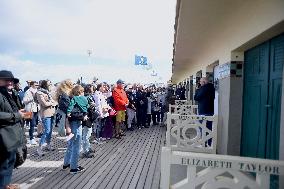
(274,100)
(254,100)
(263,70)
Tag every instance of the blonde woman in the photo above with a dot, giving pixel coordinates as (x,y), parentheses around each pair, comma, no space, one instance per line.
(80,105)
(63,94)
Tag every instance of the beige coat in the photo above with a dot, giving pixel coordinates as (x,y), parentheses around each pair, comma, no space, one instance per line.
(47,106)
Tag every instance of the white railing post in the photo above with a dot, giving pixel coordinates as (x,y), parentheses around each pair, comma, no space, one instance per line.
(168,133)
(165,168)
(263,180)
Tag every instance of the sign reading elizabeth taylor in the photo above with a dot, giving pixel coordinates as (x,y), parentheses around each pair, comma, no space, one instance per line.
(233,162)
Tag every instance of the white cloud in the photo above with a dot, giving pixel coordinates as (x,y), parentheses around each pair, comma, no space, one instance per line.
(111,28)
(28,70)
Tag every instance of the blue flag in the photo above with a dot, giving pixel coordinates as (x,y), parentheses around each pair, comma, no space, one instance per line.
(140,60)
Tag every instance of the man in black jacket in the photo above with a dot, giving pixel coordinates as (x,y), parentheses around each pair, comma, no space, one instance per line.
(11,135)
(141,107)
(205,97)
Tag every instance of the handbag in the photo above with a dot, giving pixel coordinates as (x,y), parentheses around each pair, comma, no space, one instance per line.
(112,112)
(22,151)
(76,114)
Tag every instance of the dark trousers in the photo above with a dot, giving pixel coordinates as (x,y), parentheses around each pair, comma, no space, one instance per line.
(7,161)
(141,117)
(33,124)
(161,117)
(148,119)
(209,126)
(155,117)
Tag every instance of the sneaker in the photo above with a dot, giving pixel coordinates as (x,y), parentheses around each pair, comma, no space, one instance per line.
(65,167)
(108,138)
(33,142)
(117,137)
(49,148)
(102,139)
(94,141)
(122,134)
(39,135)
(39,152)
(68,137)
(78,170)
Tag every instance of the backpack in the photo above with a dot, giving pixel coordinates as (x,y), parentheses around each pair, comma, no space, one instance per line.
(93,114)
(63,102)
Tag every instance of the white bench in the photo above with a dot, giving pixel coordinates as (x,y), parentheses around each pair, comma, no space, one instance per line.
(211,171)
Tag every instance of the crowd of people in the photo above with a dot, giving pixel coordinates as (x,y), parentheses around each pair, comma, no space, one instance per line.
(83,113)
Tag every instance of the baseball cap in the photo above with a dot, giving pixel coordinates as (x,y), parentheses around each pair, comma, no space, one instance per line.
(120,81)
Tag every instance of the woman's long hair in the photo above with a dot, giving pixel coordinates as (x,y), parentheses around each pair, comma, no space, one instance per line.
(66,87)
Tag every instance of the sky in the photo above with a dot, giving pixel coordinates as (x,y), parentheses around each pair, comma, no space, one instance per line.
(49,39)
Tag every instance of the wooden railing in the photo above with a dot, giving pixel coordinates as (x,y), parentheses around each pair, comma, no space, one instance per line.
(211,171)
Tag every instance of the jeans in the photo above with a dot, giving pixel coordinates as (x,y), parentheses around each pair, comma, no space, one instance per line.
(34,122)
(73,148)
(99,124)
(47,133)
(7,162)
(86,134)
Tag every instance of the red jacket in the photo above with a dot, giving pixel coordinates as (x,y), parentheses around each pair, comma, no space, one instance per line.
(120,99)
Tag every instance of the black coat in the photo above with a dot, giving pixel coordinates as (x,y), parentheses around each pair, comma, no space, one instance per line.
(11,133)
(205,97)
(132,100)
(141,100)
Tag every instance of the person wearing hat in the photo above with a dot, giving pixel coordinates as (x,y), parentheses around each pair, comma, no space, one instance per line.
(120,104)
(11,116)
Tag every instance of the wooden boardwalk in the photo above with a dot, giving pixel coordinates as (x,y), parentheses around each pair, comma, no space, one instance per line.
(132,162)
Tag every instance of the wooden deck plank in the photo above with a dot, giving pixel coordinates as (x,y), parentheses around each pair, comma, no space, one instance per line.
(23,173)
(133,162)
(157,172)
(146,182)
(142,166)
(93,175)
(139,159)
(104,178)
(106,175)
(125,164)
(59,175)
(95,163)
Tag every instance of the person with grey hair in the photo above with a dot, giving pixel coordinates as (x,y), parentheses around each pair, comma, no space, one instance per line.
(205,95)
